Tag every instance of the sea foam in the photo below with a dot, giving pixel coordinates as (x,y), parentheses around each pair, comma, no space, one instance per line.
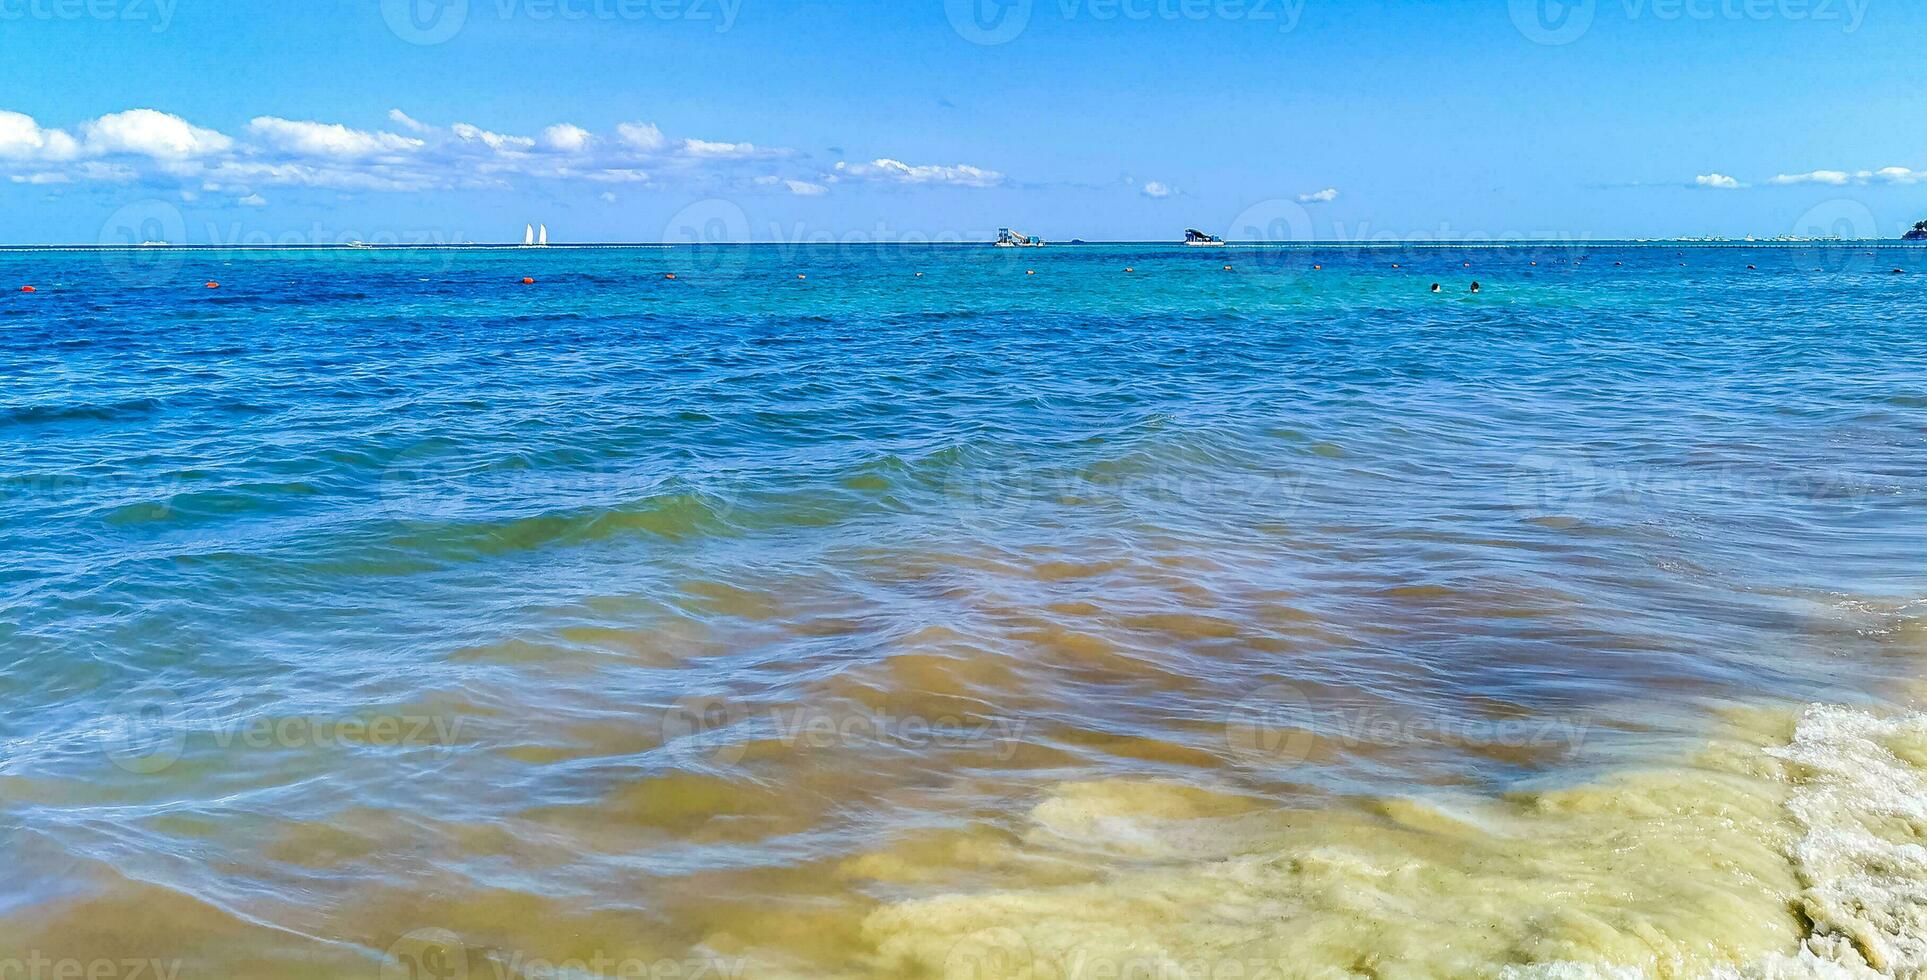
(1786,848)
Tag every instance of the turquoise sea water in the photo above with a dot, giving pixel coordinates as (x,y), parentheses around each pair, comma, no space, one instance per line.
(377,598)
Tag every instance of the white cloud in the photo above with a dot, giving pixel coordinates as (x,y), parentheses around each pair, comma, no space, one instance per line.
(1841,178)
(147,132)
(328,139)
(1717,182)
(1325,196)
(897,171)
(494,141)
(640,136)
(1156,189)
(253,201)
(607,197)
(617,176)
(567,138)
(89,170)
(705,148)
(1833,177)
(1899,175)
(347,175)
(22,138)
(401,119)
(270,151)
(96,170)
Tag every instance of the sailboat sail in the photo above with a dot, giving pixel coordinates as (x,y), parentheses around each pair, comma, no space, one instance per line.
(528,237)
(544,240)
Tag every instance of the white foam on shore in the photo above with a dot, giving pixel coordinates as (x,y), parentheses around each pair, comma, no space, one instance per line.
(1788,848)
(1861,800)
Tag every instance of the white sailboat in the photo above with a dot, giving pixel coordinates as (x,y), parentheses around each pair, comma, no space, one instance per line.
(528,237)
(543,240)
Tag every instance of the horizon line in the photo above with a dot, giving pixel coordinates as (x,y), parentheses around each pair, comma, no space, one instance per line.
(1073,243)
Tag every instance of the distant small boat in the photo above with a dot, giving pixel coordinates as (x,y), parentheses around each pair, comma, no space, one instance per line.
(1198,239)
(542,241)
(153,244)
(528,237)
(1011,239)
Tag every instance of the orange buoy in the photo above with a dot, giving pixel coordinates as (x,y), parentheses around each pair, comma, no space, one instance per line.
(1318,268)
(213,285)
(1030,272)
(669,275)
(801,276)
(527,281)
(28,289)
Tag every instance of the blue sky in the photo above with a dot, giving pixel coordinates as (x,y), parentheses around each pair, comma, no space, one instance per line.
(236,121)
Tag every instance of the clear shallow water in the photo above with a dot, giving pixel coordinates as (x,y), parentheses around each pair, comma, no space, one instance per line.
(377,610)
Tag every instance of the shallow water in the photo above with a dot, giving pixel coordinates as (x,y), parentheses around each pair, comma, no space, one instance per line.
(376,614)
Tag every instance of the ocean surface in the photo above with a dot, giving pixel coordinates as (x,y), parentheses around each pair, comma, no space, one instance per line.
(887,611)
